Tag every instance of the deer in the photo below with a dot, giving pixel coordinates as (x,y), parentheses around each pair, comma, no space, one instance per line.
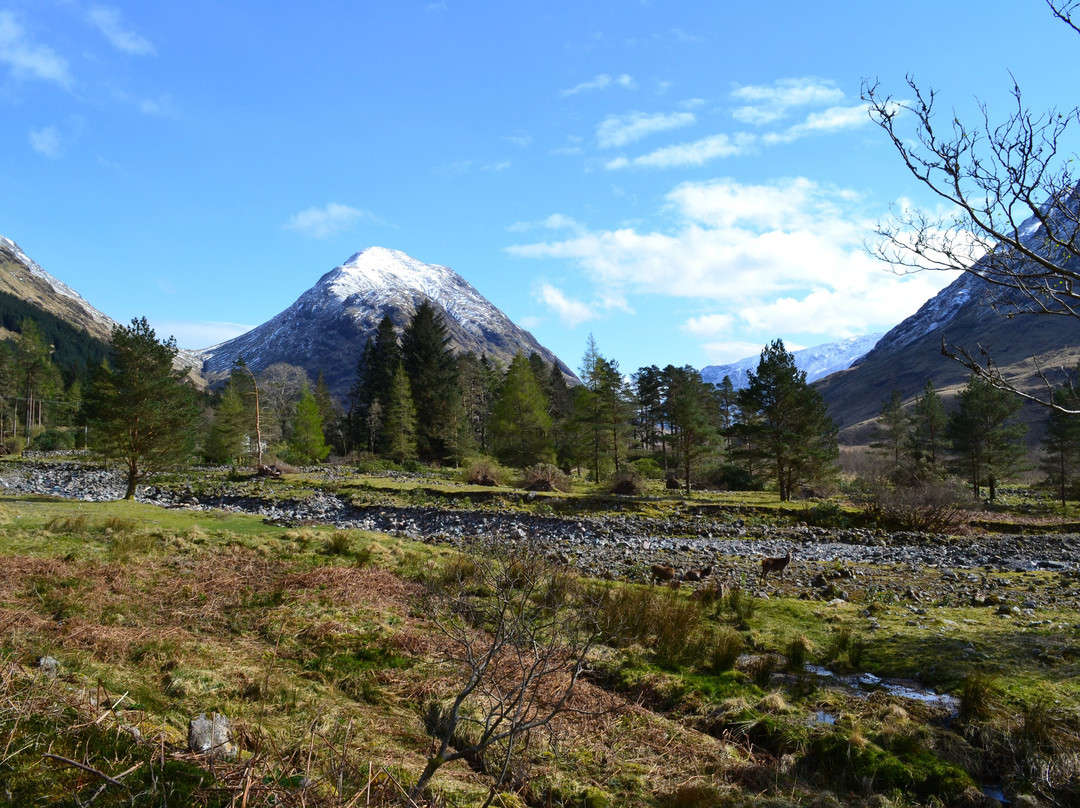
(775,564)
(662,573)
(698,574)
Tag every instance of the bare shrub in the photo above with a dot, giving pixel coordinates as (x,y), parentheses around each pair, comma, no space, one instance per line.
(929,505)
(544,477)
(627,481)
(483,470)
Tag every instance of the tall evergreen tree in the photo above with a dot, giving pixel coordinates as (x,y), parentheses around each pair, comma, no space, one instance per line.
(478,385)
(928,421)
(988,447)
(228,431)
(307,443)
(892,426)
(648,391)
(374,378)
(520,423)
(39,379)
(432,370)
(602,411)
(139,409)
(399,420)
(786,422)
(1061,443)
(690,407)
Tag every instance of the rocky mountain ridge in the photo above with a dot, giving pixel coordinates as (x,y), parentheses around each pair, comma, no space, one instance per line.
(326,328)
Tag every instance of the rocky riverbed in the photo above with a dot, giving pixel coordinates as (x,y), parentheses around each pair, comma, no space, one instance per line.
(827,562)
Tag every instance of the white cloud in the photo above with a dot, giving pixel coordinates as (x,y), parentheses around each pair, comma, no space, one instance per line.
(770,260)
(709,325)
(726,352)
(46,141)
(107,21)
(571,312)
(162,106)
(328,221)
(696,153)
(620,130)
(831,120)
(27,58)
(602,82)
(771,103)
(522,139)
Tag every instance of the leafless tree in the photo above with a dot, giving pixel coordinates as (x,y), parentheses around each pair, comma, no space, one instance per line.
(519,628)
(998,175)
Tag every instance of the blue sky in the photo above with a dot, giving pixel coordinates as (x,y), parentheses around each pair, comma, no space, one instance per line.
(684,180)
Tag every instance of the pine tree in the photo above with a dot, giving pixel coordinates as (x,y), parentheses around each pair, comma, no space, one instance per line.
(690,407)
(478,385)
(893,425)
(432,370)
(602,411)
(520,423)
(988,447)
(786,423)
(1061,443)
(928,421)
(139,409)
(308,443)
(399,420)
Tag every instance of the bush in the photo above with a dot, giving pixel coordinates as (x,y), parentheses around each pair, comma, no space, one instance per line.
(544,477)
(52,440)
(724,648)
(648,468)
(929,505)
(731,477)
(627,481)
(412,466)
(483,470)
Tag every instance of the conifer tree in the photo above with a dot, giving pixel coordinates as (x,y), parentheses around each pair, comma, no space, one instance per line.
(786,422)
(690,408)
(399,420)
(139,409)
(602,411)
(1061,442)
(520,423)
(228,431)
(374,378)
(893,425)
(928,421)
(988,447)
(432,370)
(308,443)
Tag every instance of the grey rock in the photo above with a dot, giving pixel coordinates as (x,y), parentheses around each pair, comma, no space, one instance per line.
(211,736)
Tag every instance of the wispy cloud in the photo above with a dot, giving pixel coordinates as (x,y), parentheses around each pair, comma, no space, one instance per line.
(620,130)
(122,37)
(328,221)
(28,59)
(46,141)
(162,107)
(572,313)
(522,139)
(695,153)
(830,120)
(766,104)
(602,82)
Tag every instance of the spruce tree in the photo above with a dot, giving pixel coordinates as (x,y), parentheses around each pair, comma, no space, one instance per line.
(139,410)
(786,423)
(690,408)
(307,443)
(520,423)
(399,420)
(374,378)
(432,370)
(892,427)
(225,442)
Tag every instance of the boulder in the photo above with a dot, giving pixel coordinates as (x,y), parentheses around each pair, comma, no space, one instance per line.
(211,736)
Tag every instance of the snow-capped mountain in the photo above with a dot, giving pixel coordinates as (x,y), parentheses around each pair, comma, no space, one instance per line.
(326,328)
(818,362)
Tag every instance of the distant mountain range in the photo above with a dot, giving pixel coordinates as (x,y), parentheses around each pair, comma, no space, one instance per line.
(327,327)
(818,362)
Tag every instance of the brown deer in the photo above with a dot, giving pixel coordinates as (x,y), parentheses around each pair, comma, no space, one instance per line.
(775,564)
(662,573)
(698,574)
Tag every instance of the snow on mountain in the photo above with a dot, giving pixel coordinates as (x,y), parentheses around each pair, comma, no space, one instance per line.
(100,324)
(818,362)
(326,328)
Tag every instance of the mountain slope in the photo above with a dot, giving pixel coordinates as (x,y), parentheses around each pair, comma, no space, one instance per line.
(326,328)
(973,314)
(818,362)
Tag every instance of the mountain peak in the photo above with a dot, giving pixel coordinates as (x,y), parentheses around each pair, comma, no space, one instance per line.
(381,268)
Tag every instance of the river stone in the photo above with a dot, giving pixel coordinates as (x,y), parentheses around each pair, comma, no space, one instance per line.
(211,736)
